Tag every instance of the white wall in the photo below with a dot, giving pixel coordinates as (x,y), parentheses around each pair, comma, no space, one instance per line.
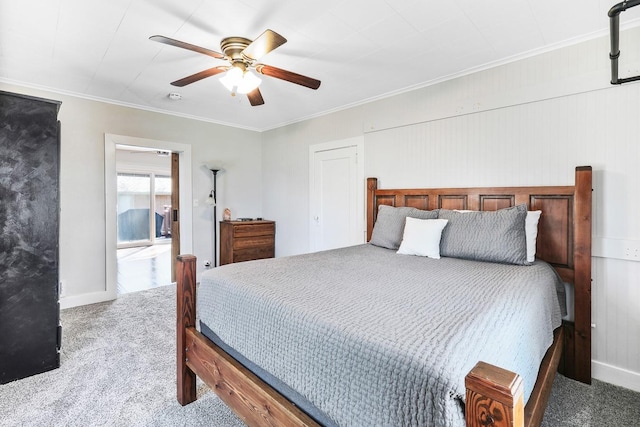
(82,179)
(525,123)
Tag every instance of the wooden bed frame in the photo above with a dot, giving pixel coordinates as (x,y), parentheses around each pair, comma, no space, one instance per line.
(494,395)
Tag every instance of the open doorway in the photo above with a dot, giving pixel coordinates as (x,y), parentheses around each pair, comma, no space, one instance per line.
(181,210)
(144,220)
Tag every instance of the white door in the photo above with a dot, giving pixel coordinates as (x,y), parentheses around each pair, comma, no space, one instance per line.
(336,199)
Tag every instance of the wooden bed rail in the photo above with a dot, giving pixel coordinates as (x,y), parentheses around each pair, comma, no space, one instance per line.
(494,395)
(254,401)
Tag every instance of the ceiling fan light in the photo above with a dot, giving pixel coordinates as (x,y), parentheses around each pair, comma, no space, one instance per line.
(232,78)
(238,81)
(249,82)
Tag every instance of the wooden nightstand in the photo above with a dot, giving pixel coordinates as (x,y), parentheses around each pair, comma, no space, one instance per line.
(246,240)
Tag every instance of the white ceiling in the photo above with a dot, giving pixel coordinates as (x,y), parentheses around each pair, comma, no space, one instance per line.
(360,49)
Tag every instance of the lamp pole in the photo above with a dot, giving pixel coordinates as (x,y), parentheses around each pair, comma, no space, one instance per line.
(215,218)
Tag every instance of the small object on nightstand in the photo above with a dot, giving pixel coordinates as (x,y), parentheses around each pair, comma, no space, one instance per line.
(259,219)
(226,215)
(245,219)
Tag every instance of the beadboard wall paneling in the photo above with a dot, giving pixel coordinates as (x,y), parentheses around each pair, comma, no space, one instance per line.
(616,312)
(532,144)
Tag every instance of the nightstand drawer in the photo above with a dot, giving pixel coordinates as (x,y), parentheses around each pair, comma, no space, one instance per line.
(247,230)
(253,242)
(252,254)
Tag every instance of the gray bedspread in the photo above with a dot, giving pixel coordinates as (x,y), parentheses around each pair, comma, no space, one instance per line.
(376,338)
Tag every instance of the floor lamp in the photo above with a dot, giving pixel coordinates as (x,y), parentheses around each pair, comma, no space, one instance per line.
(212,200)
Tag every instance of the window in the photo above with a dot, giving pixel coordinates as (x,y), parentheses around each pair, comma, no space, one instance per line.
(142,219)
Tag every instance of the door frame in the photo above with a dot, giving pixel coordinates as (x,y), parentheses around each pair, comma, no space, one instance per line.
(358,142)
(185,213)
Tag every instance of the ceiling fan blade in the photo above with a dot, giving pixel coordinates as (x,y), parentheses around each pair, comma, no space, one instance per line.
(265,43)
(199,76)
(255,97)
(188,46)
(289,76)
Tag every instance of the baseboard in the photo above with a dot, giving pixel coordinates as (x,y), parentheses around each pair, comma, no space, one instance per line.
(84,299)
(615,375)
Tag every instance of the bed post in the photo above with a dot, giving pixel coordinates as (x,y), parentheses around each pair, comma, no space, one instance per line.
(372,186)
(495,397)
(582,269)
(186,317)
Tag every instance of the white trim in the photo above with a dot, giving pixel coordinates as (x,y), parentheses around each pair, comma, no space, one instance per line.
(357,142)
(625,249)
(126,104)
(84,299)
(186,211)
(615,375)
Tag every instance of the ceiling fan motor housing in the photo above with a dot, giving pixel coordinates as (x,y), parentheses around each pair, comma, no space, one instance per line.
(233,47)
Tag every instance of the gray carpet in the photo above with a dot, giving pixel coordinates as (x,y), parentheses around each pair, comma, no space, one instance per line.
(597,405)
(118,369)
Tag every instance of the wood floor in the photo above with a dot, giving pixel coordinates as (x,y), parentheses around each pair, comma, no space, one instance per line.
(144,268)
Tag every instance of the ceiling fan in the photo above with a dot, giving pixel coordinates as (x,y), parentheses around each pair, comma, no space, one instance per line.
(242,55)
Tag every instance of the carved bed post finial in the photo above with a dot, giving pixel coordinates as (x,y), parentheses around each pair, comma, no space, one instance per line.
(495,397)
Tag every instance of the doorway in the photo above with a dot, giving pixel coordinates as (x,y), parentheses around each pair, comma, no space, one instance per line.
(144,221)
(180,160)
(336,177)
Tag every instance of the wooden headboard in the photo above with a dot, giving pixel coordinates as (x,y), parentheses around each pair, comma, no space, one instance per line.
(564,238)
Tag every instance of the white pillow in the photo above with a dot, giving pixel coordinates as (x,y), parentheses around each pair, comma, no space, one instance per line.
(530,229)
(422,237)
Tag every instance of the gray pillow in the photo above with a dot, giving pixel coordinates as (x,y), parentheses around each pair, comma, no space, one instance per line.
(494,236)
(389,226)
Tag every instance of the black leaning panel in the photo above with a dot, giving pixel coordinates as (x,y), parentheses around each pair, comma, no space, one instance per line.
(29,230)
